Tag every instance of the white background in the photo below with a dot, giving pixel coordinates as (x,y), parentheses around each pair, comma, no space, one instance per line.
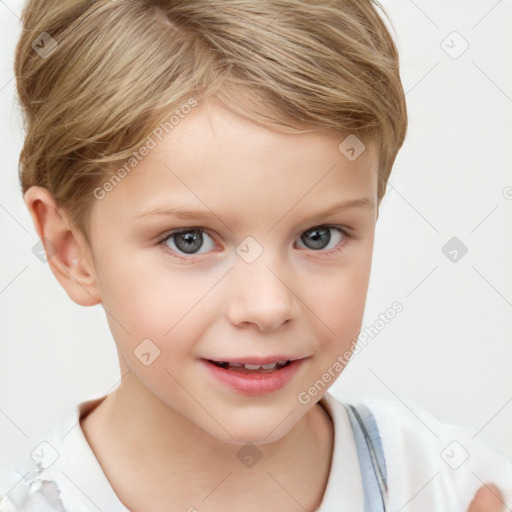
(449,350)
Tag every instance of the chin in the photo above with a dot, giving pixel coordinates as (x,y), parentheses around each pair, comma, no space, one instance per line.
(242,439)
(257,433)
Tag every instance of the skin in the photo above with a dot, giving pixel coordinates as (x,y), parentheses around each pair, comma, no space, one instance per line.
(487,499)
(170,420)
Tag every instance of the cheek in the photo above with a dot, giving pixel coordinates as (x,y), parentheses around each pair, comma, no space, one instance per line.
(165,315)
(339,303)
(147,300)
(342,307)
(147,295)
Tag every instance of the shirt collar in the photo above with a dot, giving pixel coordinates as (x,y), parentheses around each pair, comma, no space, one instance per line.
(344,490)
(84,487)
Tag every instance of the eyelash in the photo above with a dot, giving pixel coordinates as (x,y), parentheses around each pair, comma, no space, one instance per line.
(345,232)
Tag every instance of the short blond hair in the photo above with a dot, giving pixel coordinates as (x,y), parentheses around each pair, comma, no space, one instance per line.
(116,69)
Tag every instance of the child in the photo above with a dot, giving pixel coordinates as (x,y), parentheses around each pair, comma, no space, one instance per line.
(211,174)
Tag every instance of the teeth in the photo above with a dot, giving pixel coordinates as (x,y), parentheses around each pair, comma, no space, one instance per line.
(269,366)
(252,366)
(258,367)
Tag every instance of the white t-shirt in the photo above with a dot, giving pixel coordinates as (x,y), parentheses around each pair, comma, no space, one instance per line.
(431,466)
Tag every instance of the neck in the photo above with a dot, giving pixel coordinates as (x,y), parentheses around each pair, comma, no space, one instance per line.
(152,455)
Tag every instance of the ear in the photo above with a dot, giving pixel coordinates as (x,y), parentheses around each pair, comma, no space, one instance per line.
(67,251)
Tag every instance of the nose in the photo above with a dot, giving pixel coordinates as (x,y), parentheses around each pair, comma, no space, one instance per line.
(260,295)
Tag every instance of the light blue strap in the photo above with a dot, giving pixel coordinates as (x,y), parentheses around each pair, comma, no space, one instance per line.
(371,457)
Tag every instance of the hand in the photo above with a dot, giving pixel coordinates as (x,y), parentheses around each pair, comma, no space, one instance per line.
(487,499)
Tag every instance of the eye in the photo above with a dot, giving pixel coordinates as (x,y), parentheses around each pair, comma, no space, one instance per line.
(320,238)
(188,241)
(192,241)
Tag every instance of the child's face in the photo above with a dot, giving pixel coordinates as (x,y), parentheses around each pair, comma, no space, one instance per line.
(223,300)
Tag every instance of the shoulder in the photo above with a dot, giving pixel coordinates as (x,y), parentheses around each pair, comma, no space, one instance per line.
(25,492)
(33,484)
(406,423)
(432,464)
(42,480)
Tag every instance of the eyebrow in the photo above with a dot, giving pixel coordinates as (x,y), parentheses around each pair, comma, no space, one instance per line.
(182,212)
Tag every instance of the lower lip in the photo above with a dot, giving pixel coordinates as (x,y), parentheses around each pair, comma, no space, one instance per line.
(255,383)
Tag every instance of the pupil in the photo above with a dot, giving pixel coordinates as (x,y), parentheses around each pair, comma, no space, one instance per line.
(319,237)
(189,241)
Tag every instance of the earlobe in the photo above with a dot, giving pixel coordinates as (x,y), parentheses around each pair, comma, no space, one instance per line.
(67,251)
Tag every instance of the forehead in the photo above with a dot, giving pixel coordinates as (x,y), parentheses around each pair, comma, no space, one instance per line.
(216,160)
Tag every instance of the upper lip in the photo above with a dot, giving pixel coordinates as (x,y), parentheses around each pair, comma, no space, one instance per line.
(258,360)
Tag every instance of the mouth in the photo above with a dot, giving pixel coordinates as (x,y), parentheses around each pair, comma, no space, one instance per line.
(254,376)
(252,368)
